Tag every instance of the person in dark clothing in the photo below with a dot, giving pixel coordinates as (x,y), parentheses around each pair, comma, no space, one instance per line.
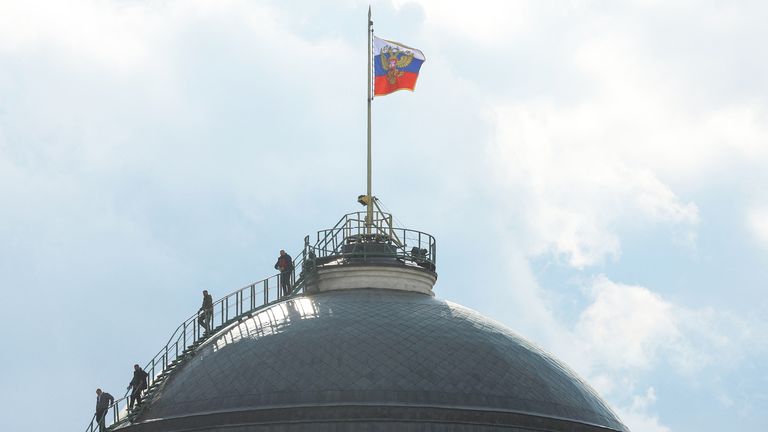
(205,313)
(104,400)
(285,265)
(138,384)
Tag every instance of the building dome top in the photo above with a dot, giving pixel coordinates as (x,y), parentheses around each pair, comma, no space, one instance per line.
(376,348)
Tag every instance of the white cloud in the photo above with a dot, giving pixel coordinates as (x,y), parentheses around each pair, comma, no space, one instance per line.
(625,326)
(757,222)
(577,188)
(629,328)
(587,168)
(627,332)
(106,33)
(489,24)
(637,416)
(645,112)
(625,143)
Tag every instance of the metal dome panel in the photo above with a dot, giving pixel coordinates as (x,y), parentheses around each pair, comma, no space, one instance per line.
(370,347)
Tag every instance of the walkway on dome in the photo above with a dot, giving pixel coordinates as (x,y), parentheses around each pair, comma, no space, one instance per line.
(350,241)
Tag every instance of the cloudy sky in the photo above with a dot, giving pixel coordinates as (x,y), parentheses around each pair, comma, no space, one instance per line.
(594,172)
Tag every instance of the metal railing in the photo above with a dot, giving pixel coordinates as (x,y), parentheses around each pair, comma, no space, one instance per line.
(189,334)
(351,240)
(118,411)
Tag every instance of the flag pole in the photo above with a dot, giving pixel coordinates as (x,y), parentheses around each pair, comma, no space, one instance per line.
(369,96)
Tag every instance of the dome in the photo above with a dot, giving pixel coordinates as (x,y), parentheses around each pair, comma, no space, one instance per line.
(372,359)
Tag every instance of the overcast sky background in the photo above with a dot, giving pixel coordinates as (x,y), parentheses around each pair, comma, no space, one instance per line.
(594,172)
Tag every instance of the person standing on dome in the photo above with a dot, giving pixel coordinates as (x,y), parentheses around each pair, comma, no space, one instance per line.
(104,400)
(205,313)
(138,383)
(285,265)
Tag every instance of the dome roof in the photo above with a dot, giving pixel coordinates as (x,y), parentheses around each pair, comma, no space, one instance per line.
(374,348)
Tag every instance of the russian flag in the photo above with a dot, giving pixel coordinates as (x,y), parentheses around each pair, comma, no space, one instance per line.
(396,66)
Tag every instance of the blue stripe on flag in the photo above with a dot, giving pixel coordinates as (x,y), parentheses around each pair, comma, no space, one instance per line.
(379,69)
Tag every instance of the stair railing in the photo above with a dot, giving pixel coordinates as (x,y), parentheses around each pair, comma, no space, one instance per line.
(116,413)
(190,333)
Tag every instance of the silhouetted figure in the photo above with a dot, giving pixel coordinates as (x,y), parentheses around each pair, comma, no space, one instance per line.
(138,384)
(285,265)
(104,400)
(205,313)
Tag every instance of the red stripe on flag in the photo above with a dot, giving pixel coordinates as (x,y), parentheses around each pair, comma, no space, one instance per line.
(381,85)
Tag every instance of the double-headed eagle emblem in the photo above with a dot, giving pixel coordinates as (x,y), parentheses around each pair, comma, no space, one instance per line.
(393,59)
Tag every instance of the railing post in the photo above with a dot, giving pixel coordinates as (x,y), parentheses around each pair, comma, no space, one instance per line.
(266,291)
(221,315)
(184,336)
(253,296)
